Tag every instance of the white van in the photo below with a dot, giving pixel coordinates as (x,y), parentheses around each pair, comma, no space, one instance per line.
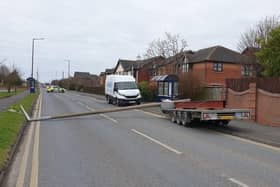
(121,89)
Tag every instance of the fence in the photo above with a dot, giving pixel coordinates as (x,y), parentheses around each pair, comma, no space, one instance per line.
(268,84)
(95,90)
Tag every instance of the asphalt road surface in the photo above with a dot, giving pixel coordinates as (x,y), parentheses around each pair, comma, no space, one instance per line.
(134,149)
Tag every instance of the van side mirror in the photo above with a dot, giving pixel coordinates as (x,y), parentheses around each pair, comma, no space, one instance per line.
(115,89)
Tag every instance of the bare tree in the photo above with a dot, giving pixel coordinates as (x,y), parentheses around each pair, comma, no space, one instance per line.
(4,72)
(13,79)
(166,47)
(253,36)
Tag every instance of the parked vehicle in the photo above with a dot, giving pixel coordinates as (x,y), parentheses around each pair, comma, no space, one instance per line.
(121,89)
(55,88)
(49,89)
(186,113)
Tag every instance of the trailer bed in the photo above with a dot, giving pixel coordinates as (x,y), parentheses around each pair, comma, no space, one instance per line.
(205,111)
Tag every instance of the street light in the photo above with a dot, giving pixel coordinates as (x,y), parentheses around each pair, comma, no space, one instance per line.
(68,67)
(68,72)
(33,39)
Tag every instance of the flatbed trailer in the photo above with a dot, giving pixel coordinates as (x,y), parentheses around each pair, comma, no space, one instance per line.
(186,113)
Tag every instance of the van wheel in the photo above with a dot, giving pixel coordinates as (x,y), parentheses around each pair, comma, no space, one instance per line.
(118,102)
(114,101)
(109,100)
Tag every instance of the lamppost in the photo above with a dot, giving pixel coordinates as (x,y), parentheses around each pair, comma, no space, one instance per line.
(68,67)
(67,60)
(33,39)
(31,79)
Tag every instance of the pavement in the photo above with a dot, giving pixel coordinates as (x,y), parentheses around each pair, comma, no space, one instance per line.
(133,149)
(6,102)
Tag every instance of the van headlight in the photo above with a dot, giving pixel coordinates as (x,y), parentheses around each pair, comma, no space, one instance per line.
(121,94)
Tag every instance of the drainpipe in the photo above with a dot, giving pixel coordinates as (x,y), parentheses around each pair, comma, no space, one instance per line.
(205,72)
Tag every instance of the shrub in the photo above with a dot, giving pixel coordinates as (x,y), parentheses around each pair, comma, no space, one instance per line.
(148,91)
(191,87)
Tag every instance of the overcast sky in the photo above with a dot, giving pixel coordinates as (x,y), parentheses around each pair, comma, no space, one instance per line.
(95,34)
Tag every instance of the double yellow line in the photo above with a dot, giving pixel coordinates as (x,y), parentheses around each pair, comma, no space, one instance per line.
(35,154)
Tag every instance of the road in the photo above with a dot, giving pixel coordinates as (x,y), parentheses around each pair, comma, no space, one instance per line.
(134,149)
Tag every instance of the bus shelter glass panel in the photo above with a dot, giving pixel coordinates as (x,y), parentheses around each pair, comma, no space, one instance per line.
(166,88)
(160,88)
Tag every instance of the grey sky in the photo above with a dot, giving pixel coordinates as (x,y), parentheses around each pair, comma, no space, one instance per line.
(94,34)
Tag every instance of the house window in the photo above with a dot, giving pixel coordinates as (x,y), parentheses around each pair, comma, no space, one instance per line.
(185,65)
(177,68)
(154,70)
(218,67)
(247,70)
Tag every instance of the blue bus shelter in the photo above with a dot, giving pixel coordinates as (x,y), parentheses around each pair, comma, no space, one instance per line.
(167,86)
(31,84)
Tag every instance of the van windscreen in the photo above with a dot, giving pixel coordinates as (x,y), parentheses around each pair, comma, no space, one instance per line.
(126,85)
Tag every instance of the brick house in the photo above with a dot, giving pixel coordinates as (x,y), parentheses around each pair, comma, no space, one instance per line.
(149,68)
(176,64)
(212,66)
(256,67)
(216,64)
(102,75)
(142,70)
(126,67)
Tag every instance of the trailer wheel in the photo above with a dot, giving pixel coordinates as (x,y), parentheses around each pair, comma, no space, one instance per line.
(173,117)
(185,119)
(224,122)
(178,118)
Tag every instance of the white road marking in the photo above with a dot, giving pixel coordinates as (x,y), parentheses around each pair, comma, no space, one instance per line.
(89,108)
(80,103)
(252,142)
(35,158)
(151,114)
(238,182)
(103,115)
(98,100)
(109,118)
(157,142)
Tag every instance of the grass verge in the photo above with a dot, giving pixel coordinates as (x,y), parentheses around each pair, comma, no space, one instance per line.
(8,94)
(11,124)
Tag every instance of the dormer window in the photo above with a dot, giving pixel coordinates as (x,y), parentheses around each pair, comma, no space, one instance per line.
(185,65)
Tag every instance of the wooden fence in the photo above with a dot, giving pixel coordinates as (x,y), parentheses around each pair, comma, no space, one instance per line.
(268,84)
